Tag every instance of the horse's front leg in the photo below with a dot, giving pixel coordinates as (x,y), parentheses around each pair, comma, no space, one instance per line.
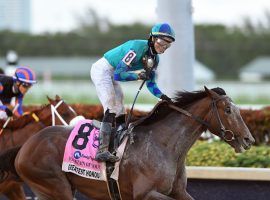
(184,196)
(154,195)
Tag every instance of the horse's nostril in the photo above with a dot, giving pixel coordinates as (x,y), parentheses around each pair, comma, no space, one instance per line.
(249,141)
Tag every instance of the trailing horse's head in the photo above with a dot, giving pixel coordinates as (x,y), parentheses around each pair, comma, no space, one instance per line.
(57,112)
(226,122)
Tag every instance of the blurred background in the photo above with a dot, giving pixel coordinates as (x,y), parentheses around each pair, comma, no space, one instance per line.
(60,39)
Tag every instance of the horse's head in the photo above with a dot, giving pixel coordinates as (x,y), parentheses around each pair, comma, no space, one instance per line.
(57,112)
(226,122)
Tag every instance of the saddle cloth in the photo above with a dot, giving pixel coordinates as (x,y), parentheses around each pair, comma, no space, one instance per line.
(81,149)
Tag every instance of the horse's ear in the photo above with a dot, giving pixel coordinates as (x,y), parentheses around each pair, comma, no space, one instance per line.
(207,91)
(211,93)
(49,99)
(57,97)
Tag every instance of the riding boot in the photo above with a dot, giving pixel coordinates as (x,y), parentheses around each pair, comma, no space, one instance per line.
(103,153)
(120,122)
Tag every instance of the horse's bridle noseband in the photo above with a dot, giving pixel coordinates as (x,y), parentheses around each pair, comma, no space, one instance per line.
(225,134)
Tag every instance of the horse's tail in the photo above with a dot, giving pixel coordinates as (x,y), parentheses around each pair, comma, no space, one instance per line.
(7,166)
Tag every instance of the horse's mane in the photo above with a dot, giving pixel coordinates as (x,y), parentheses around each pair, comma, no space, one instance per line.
(182,99)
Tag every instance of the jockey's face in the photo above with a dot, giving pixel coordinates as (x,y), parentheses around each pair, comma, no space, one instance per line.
(23,87)
(162,44)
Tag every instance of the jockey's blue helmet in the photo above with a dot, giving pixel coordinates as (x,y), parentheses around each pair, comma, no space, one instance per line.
(25,75)
(163,30)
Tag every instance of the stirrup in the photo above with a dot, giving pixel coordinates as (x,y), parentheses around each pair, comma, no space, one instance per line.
(121,127)
(106,156)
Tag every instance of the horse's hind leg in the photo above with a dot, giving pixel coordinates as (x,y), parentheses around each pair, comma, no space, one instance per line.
(49,185)
(14,191)
(45,178)
(52,189)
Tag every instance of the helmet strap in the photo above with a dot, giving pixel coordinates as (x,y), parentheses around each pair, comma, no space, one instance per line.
(151,46)
(16,87)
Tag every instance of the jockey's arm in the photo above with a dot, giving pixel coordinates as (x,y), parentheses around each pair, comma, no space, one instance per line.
(19,111)
(152,85)
(3,107)
(121,73)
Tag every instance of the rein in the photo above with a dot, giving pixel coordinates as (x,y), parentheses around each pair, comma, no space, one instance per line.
(222,130)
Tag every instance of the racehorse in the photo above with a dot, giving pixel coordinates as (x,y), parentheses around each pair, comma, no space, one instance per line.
(19,130)
(153,167)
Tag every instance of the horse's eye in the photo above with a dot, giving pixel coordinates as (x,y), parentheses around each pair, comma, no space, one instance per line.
(228,110)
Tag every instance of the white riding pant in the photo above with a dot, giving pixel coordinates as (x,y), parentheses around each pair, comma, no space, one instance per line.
(3,114)
(109,91)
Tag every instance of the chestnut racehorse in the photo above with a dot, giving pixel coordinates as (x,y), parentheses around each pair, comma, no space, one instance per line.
(19,130)
(151,168)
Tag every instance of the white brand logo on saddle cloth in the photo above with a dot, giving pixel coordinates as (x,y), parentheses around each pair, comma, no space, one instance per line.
(80,151)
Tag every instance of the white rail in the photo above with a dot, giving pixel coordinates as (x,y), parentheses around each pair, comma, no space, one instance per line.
(228,173)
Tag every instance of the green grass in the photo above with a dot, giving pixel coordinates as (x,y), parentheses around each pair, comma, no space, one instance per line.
(221,154)
(249,100)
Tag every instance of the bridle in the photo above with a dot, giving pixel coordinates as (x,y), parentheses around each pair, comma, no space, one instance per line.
(225,134)
(56,114)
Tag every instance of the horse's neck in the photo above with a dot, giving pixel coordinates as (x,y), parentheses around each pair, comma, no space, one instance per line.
(179,132)
(45,116)
(17,137)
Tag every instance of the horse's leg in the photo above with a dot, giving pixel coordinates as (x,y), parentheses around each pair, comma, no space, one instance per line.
(179,191)
(14,191)
(154,195)
(43,172)
(49,183)
(49,188)
(186,196)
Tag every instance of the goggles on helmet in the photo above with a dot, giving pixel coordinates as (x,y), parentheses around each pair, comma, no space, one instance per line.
(26,85)
(163,43)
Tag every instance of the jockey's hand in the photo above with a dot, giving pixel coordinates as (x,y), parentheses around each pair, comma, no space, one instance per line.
(166,98)
(8,112)
(143,76)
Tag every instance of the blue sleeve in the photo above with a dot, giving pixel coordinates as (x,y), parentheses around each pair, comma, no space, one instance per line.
(3,107)
(1,88)
(121,73)
(19,111)
(152,86)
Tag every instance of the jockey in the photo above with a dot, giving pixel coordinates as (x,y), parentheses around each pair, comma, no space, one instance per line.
(12,91)
(120,64)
